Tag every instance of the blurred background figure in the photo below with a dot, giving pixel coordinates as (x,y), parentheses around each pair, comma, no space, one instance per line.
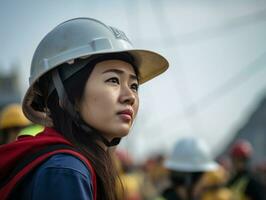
(12,121)
(244,184)
(212,185)
(260,171)
(140,181)
(193,173)
(155,176)
(129,183)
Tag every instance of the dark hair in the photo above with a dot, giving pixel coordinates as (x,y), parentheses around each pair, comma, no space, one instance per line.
(84,141)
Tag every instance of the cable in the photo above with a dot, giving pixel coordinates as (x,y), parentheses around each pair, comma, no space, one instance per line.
(163,25)
(172,40)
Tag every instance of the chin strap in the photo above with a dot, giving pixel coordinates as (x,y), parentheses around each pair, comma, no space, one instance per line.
(86,128)
(69,108)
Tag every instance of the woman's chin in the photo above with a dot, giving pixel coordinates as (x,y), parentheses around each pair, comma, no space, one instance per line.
(120,133)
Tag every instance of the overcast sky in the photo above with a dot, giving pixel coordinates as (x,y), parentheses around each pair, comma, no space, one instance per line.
(216,51)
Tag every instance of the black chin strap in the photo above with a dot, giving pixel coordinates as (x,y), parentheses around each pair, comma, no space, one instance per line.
(88,129)
(69,108)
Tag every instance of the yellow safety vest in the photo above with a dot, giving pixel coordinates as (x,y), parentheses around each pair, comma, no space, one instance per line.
(238,189)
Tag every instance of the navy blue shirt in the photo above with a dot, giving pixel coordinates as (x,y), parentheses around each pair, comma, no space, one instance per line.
(62,176)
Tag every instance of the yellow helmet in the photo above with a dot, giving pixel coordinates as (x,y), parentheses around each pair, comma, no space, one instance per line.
(12,116)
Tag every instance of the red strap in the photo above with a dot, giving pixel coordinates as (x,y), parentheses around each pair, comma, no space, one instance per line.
(7,189)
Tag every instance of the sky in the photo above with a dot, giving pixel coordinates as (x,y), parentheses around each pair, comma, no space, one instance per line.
(216,51)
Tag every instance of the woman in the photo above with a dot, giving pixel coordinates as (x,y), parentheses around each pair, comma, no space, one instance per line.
(84,90)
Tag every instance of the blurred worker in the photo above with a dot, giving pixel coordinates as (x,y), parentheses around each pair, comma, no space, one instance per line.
(212,185)
(188,164)
(129,182)
(12,121)
(157,173)
(260,170)
(242,183)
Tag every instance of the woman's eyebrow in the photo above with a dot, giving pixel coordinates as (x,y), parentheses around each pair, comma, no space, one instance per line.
(118,71)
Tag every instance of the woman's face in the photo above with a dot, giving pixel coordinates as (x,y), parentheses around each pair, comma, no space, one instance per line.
(110,99)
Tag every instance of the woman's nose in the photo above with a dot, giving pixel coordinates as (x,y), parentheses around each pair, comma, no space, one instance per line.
(127,96)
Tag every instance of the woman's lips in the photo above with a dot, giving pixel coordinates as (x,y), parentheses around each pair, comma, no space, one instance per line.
(126,115)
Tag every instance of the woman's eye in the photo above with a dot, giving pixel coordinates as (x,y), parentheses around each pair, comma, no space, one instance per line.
(113,80)
(135,87)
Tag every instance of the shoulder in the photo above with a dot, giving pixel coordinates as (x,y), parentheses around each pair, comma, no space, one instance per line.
(65,162)
(62,176)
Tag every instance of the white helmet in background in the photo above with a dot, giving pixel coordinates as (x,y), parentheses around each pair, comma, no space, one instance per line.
(191,155)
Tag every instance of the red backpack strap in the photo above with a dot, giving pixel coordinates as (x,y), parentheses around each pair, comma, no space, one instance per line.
(34,160)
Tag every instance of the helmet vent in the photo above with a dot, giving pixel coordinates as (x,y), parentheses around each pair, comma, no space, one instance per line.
(119,34)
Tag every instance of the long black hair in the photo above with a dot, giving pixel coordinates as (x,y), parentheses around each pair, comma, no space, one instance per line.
(84,140)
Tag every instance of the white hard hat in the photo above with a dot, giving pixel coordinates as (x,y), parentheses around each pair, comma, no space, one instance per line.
(190,155)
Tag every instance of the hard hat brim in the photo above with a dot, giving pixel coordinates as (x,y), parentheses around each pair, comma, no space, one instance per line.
(149,63)
(185,167)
